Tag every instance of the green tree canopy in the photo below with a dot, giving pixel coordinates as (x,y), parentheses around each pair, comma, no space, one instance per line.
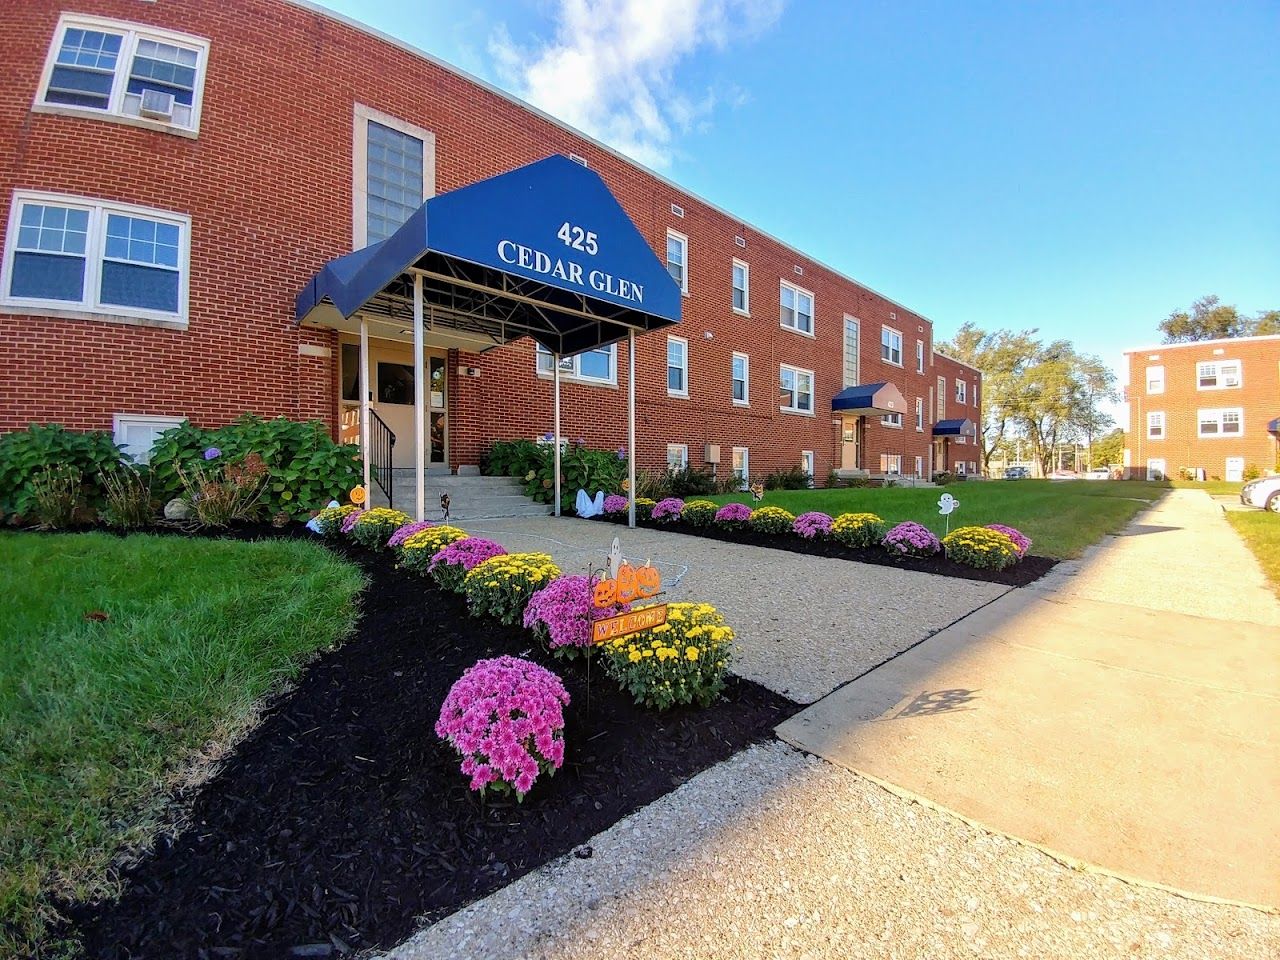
(1211,319)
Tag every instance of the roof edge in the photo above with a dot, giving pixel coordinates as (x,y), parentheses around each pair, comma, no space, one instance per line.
(1201,343)
(365,28)
(947,356)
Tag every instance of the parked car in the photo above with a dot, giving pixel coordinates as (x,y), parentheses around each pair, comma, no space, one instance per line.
(1016,473)
(1064,475)
(1263,492)
(1098,473)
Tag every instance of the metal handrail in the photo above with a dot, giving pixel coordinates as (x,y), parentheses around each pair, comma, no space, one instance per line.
(381,443)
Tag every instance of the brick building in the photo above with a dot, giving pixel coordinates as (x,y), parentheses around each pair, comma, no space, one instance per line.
(174,173)
(1211,405)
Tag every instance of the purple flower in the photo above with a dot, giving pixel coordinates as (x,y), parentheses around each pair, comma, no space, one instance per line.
(622,453)
(615,503)
(563,611)
(812,525)
(349,524)
(406,531)
(213,453)
(1020,540)
(668,509)
(467,553)
(911,539)
(733,513)
(548,436)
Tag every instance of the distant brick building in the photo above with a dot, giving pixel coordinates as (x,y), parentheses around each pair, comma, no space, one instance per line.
(1211,405)
(173,173)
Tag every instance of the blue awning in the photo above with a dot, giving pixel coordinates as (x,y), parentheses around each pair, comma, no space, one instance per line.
(869,398)
(544,251)
(1274,426)
(955,428)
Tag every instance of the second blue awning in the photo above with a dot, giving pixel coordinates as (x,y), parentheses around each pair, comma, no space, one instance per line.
(955,428)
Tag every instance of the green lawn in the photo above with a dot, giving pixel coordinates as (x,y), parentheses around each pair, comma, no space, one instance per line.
(1260,531)
(100,719)
(1062,518)
(1211,487)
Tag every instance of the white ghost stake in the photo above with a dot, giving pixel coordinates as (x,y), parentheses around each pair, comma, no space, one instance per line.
(946,504)
(615,558)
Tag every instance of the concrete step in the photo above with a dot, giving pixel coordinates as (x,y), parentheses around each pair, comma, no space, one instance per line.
(471,497)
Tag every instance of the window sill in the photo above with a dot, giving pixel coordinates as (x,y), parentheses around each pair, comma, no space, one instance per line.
(742,403)
(796,413)
(585,381)
(71,313)
(891,363)
(1234,386)
(678,394)
(797,331)
(742,313)
(1220,436)
(159,126)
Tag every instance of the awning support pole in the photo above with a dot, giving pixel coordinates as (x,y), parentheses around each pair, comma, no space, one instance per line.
(631,428)
(419,406)
(555,379)
(365,446)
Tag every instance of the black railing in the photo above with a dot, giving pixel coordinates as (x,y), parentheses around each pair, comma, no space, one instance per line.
(381,443)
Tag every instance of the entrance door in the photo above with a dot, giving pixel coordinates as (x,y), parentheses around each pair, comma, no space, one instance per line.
(850,443)
(1156,470)
(1235,469)
(391,390)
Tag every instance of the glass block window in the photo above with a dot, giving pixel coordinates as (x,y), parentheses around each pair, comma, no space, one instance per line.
(394,180)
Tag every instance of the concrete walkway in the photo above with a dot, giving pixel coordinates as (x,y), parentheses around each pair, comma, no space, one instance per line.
(1124,712)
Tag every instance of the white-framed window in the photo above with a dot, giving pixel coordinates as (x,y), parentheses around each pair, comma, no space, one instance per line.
(797,389)
(392,174)
(125,71)
(591,366)
(973,467)
(960,467)
(806,462)
(741,465)
(919,356)
(1218,375)
(677,366)
(740,372)
(891,463)
(1155,379)
(741,288)
(136,433)
(851,333)
(919,414)
(940,410)
(1155,425)
(95,257)
(919,466)
(961,389)
(677,456)
(892,420)
(1156,469)
(678,259)
(1228,422)
(891,346)
(974,393)
(795,308)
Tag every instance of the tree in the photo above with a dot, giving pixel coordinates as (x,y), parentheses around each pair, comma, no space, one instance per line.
(1109,450)
(1211,319)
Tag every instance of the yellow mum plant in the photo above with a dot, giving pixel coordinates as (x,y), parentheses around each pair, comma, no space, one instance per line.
(677,662)
(501,586)
(859,529)
(373,528)
(418,550)
(699,513)
(329,520)
(771,520)
(981,547)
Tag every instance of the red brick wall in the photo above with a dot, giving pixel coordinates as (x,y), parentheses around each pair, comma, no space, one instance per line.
(968,452)
(1258,396)
(267,185)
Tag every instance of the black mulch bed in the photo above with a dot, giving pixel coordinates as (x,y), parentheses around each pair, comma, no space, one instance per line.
(342,823)
(1027,570)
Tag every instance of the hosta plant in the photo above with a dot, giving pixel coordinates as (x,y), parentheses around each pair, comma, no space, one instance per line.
(813,525)
(911,540)
(563,613)
(373,528)
(664,511)
(981,547)
(699,513)
(859,529)
(679,662)
(449,567)
(1020,539)
(329,521)
(505,717)
(771,520)
(417,552)
(501,586)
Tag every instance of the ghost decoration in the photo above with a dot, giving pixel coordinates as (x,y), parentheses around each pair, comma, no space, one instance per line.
(615,558)
(314,523)
(588,507)
(946,504)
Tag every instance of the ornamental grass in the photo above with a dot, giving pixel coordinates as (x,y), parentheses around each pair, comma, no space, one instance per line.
(699,513)
(373,528)
(771,520)
(981,547)
(417,551)
(679,662)
(501,587)
(563,613)
(859,529)
(668,510)
(911,540)
(449,567)
(505,717)
(329,521)
(813,525)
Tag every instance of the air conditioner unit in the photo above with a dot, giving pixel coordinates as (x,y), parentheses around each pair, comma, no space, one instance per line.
(712,453)
(157,104)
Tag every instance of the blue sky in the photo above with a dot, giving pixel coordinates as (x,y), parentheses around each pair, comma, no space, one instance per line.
(1080,169)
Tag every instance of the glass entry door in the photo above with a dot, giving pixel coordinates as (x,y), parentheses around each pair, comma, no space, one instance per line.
(391,397)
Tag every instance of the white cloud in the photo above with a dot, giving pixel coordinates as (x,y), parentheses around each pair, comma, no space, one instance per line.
(611,67)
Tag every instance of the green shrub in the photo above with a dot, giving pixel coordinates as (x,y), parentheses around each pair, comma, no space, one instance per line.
(223,491)
(794,479)
(699,513)
(981,547)
(39,448)
(1251,472)
(511,458)
(771,520)
(689,482)
(55,497)
(652,486)
(581,468)
(859,529)
(306,469)
(127,499)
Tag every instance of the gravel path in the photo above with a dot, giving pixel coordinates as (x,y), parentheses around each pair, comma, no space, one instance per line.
(805,625)
(777,854)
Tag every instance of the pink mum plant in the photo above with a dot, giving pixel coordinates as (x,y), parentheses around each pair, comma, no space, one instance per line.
(406,531)
(733,514)
(615,503)
(812,525)
(505,717)
(349,524)
(668,509)
(1020,540)
(911,540)
(562,613)
(451,565)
